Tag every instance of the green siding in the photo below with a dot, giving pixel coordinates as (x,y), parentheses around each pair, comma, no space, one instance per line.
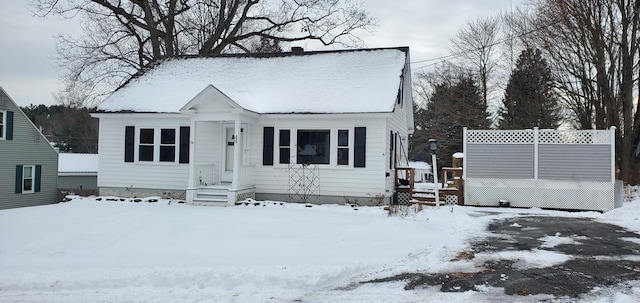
(28,147)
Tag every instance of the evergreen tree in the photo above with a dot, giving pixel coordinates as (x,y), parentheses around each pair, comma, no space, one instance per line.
(454,104)
(529,100)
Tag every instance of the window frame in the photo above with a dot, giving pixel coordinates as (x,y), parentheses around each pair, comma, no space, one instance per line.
(341,148)
(3,124)
(167,146)
(32,178)
(284,146)
(157,144)
(306,153)
(140,144)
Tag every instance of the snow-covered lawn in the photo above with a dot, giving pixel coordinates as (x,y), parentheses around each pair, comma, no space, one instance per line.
(107,251)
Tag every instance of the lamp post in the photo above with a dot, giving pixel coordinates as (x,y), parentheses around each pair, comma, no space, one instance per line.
(433,146)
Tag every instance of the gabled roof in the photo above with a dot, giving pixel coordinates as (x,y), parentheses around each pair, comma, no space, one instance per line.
(352,81)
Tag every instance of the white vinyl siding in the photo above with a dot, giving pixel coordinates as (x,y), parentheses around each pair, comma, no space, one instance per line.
(334,180)
(114,172)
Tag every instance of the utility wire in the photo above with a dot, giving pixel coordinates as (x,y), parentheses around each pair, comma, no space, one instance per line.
(462,53)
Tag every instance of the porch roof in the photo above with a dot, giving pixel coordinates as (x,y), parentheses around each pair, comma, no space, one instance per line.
(354,81)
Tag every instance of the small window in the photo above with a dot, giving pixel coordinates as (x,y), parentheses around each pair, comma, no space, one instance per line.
(145,150)
(167,145)
(343,147)
(27,179)
(285,146)
(313,146)
(2,124)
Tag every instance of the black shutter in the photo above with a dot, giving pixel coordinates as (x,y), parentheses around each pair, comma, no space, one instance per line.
(9,127)
(37,177)
(129,142)
(18,179)
(184,144)
(267,146)
(360,147)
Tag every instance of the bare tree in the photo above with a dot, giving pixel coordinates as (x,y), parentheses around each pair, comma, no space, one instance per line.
(592,46)
(121,37)
(476,44)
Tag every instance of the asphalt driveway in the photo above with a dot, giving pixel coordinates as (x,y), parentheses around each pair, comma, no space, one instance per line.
(576,256)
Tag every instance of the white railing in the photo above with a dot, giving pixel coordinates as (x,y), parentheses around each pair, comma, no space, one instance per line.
(206,174)
(245,177)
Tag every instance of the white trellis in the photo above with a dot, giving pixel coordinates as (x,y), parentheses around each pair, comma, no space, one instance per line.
(561,169)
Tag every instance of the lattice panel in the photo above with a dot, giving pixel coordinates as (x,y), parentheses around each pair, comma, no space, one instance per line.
(500,137)
(304,183)
(246,195)
(574,137)
(450,199)
(402,198)
(575,195)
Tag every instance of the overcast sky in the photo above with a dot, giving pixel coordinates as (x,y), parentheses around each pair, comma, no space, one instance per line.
(28,72)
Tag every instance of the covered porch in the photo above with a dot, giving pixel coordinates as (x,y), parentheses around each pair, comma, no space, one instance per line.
(219,169)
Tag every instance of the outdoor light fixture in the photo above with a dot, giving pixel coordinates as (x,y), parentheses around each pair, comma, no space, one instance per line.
(433,145)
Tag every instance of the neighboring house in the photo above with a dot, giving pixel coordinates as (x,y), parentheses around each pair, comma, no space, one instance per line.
(78,171)
(28,163)
(324,127)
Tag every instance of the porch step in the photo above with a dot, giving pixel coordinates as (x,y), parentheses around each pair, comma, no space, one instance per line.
(211,195)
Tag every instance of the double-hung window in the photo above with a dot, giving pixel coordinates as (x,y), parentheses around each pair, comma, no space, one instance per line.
(146,147)
(285,146)
(6,125)
(343,147)
(167,145)
(28,174)
(157,144)
(28,178)
(3,126)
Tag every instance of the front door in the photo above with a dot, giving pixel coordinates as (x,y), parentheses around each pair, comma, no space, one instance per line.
(228,154)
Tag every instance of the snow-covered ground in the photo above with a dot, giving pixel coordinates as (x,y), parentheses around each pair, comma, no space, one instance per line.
(107,251)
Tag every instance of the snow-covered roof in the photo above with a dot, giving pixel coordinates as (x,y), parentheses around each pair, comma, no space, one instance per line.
(77,163)
(354,81)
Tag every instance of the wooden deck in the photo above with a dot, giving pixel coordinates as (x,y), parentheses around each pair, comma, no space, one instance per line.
(450,188)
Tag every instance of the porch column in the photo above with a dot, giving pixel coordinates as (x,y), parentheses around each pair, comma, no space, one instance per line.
(236,153)
(191,185)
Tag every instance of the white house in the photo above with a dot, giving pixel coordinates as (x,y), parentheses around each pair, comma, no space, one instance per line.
(325,125)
